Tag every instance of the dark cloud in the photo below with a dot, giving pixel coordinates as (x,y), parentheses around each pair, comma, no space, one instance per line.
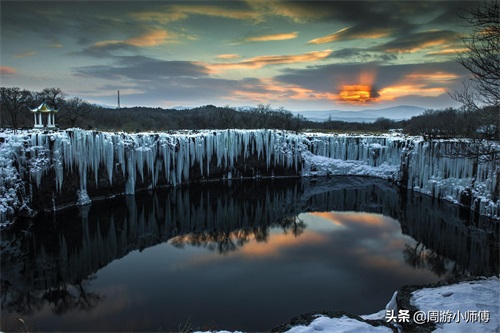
(400,20)
(451,12)
(362,55)
(189,91)
(82,21)
(143,69)
(416,41)
(156,80)
(106,51)
(329,78)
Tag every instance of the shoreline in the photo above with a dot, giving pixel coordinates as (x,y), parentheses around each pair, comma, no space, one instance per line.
(404,300)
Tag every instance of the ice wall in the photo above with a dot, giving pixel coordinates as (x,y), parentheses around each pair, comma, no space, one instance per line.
(452,171)
(119,161)
(74,163)
(375,150)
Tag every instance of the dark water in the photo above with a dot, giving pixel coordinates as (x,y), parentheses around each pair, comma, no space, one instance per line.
(247,255)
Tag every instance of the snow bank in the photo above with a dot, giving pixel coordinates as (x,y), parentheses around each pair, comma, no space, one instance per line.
(321,322)
(472,306)
(342,324)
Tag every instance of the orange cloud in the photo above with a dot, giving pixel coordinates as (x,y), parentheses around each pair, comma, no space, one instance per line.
(160,17)
(447,52)
(438,76)
(5,70)
(151,38)
(417,47)
(346,218)
(252,248)
(422,84)
(346,34)
(268,90)
(278,242)
(329,38)
(261,61)
(273,37)
(228,56)
(179,12)
(26,54)
(148,39)
(395,91)
(215,11)
(329,216)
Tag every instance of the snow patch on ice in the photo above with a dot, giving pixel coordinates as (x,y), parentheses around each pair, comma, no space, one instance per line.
(342,324)
(315,165)
(465,300)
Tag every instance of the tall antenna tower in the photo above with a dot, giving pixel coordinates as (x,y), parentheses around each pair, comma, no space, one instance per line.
(118,99)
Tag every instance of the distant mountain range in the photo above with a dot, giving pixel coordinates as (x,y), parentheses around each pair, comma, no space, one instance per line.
(401,112)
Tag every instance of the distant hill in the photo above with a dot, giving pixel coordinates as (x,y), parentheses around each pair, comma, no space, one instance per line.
(396,113)
(401,112)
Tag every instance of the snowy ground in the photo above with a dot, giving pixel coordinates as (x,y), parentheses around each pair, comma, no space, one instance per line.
(471,306)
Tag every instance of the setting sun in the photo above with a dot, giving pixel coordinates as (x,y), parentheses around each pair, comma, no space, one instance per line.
(358,94)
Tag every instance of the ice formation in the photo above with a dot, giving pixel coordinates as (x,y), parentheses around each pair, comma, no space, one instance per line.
(121,161)
(435,169)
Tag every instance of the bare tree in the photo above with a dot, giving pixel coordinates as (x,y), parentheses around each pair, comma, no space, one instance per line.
(226,116)
(74,110)
(53,96)
(480,95)
(14,101)
(481,57)
(261,115)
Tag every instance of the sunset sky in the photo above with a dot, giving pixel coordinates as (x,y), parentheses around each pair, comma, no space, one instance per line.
(301,55)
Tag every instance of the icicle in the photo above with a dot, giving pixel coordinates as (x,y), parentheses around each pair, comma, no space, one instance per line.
(109,158)
(131,172)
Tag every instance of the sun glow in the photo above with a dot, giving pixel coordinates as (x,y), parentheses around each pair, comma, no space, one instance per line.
(361,91)
(358,94)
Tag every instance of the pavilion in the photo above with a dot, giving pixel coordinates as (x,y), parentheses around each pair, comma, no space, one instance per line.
(39,113)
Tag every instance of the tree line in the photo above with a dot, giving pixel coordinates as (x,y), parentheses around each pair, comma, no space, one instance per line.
(476,123)
(76,112)
(16,102)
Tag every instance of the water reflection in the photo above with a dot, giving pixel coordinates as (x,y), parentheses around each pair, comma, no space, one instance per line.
(312,232)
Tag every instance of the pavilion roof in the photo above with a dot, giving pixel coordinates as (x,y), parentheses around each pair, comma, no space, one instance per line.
(44,108)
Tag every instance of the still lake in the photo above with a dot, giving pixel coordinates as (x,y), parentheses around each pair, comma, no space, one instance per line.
(245,255)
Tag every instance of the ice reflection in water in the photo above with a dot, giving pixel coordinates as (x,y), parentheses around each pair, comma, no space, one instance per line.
(247,256)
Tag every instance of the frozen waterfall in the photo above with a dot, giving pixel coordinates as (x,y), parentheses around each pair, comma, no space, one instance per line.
(46,170)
